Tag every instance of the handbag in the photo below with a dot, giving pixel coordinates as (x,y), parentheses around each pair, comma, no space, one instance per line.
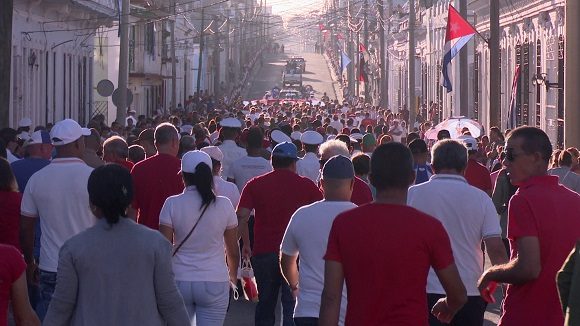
(190,232)
(249,281)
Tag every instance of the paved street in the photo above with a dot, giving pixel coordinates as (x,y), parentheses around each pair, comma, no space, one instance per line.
(317,74)
(270,74)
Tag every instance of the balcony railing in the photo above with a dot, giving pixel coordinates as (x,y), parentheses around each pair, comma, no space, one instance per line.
(106,7)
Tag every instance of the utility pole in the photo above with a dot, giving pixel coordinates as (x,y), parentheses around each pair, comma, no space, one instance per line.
(357,65)
(572,76)
(386,57)
(463,73)
(411,95)
(494,63)
(227,51)
(123,62)
(173,60)
(5,61)
(216,59)
(382,64)
(350,71)
(200,59)
(366,41)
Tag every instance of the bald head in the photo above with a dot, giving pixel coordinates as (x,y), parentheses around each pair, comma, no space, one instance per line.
(115,150)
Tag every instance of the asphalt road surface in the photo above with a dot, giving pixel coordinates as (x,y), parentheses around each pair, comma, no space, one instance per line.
(241,312)
(270,74)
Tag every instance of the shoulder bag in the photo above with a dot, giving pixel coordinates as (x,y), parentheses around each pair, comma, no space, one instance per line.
(191,231)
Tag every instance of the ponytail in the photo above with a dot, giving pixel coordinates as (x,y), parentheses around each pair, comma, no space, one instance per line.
(202,179)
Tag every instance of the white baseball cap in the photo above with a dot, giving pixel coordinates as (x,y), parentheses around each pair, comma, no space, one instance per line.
(39,137)
(192,159)
(25,122)
(214,152)
(469,142)
(67,131)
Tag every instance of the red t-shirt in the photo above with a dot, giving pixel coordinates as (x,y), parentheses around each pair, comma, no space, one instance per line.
(544,209)
(386,252)
(367,122)
(477,175)
(361,192)
(10,218)
(275,196)
(12,266)
(155,179)
(127,164)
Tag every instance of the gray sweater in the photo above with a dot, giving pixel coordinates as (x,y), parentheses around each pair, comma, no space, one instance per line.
(119,275)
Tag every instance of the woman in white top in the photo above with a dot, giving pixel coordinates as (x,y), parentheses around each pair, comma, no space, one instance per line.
(199,223)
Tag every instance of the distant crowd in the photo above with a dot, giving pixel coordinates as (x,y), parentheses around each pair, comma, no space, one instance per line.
(344,213)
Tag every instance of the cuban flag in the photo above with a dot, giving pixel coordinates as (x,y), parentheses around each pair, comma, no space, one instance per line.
(514,103)
(459,32)
(344,61)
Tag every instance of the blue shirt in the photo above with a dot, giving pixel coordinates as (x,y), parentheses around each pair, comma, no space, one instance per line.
(423,173)
(23,170)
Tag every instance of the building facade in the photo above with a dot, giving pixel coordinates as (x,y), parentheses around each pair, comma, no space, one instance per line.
(532,37)
(52,65)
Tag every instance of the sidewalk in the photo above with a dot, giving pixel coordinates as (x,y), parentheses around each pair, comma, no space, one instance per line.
(335,80)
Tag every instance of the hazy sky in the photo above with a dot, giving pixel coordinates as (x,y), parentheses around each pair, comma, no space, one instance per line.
(294,7)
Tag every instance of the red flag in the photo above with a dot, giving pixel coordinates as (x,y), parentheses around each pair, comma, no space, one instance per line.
(362,75)
(362,48)
(457,26)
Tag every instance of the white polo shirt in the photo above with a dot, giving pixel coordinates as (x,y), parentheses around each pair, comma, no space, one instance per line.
(468,215)
(58,193)
(248,167)
(201,257)
(227,189)
(308,166)
(307,236)
(232,152)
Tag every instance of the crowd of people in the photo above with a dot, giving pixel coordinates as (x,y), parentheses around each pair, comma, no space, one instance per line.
(348,214)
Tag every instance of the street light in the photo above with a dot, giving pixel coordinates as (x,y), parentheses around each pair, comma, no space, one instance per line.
(542,79)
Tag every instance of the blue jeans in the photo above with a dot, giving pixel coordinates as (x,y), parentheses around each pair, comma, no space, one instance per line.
(269,280)
(471,314)
(206,302)
(47,285)
(306,321)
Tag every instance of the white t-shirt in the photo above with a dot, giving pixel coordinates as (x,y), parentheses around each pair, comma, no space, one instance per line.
(11,157)
(336,124)
(232,152)
(201,257)
(58,194)
(468,215)
(247,168)
(307,235)
(227,189)
(308,166)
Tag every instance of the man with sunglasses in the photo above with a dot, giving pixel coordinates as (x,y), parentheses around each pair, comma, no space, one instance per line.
(543,227)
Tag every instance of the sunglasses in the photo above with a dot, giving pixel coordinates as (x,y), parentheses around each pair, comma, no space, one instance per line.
(510,155)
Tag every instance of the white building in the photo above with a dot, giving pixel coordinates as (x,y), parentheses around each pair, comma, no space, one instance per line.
(52,65)
(533,36)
